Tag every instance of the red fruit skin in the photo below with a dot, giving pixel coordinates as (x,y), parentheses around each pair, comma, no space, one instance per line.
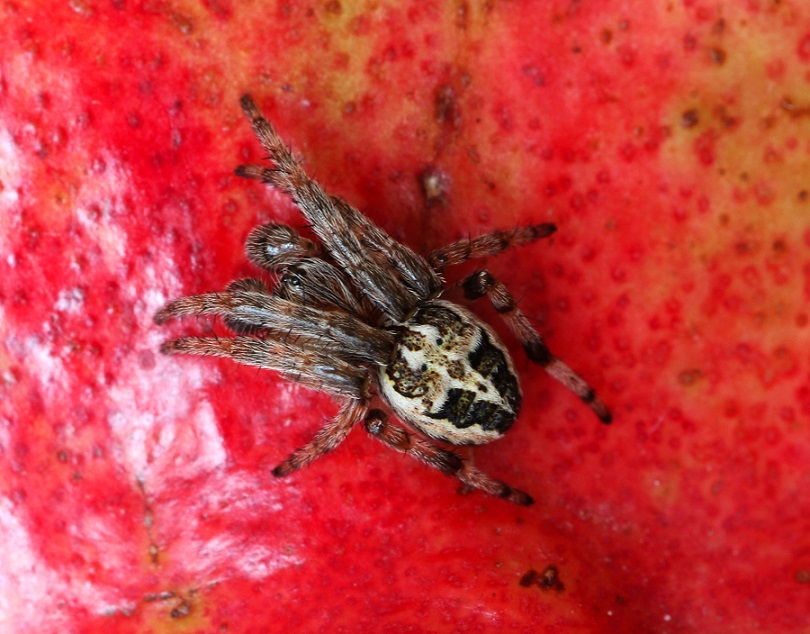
(669,144)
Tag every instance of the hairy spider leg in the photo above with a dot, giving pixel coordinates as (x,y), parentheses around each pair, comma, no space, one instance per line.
(322,332)
(327,438)
(346,234)
(482,283)
(295,363)
(241,326)
(488,244)
(445,461)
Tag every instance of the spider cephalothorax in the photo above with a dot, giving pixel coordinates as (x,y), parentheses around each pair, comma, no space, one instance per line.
(360,313)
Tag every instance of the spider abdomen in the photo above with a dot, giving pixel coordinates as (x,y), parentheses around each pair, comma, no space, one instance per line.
(451,377)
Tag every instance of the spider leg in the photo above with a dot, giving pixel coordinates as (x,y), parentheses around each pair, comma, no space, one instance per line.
(393,276)
(329,437)
(488,244)
(305,327)
(296,362)
(239,326)
(445,461)
(481,284)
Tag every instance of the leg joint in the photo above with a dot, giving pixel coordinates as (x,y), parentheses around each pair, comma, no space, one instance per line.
(477,285)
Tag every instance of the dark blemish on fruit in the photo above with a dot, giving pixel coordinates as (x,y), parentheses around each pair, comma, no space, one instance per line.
(718,56)
(728,120)
(803,576)
(531,72)
(788,105)
(689,42)
(689,377)
(689,118)
(462,16)
(181,22)
(549,579)
(446,105)
(182,610)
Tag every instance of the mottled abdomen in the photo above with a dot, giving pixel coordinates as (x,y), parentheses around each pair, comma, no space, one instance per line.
(451,377)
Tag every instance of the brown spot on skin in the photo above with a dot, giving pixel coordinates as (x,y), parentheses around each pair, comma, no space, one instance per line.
(182,610)
(549,579)
(462,16)
(722,114)
(718,56)
(689,42)
(689,118)
(788,105)
(446,103)
(334,7)
(689,377)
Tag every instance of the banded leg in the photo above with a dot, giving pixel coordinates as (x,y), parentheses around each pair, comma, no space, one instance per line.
(488,244)
(329,437)
(445,461)
(481,284)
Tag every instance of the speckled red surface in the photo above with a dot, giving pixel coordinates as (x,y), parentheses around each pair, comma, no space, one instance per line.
(670,144)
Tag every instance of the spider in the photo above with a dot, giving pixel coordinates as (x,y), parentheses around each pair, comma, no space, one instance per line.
(360,314)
